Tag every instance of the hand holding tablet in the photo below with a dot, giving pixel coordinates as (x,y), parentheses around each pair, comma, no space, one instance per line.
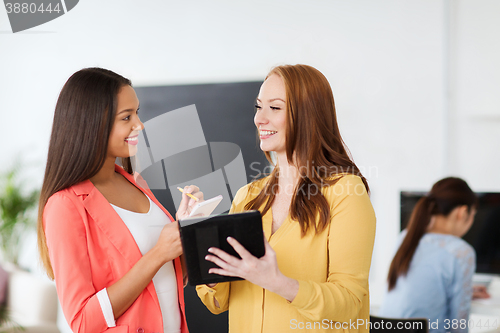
(200,234)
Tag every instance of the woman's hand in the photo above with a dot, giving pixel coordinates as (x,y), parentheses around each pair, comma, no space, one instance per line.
(169,244)
(187,202)
(480,292)
(263,271)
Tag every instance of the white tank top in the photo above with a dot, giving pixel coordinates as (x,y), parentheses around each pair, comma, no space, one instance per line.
(146,228)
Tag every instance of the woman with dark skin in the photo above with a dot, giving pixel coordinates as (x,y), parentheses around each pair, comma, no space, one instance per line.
(112,272)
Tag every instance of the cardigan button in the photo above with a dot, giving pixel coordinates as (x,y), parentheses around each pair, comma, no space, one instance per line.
(140,330)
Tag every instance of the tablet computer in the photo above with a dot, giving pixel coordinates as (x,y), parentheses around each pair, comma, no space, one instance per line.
(199,234)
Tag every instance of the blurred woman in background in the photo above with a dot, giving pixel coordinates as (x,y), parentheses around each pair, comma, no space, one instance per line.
(431,273)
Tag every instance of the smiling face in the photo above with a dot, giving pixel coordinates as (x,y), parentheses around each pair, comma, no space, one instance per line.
(123,138)
(271,114)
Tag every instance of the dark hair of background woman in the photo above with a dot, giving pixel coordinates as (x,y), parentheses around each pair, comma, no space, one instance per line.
(445,195)
(313,144)
(83,119)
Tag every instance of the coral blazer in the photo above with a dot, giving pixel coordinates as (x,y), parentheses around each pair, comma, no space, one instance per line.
(90,248)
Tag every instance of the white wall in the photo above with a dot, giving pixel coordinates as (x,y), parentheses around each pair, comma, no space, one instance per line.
(415,81)
(475,93)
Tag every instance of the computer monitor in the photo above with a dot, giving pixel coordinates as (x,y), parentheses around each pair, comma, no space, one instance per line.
(484,235)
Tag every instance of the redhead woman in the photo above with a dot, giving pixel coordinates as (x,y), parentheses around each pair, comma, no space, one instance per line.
(115,270)
(318,221)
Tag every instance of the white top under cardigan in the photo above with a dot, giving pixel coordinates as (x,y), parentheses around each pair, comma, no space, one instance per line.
(146,228)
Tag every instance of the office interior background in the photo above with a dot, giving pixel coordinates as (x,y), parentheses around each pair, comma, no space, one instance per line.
(416,82)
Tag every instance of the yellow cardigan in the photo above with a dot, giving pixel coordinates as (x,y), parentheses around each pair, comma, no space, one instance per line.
(332,269)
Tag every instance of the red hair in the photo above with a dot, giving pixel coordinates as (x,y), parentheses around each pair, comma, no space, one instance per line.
(313,144)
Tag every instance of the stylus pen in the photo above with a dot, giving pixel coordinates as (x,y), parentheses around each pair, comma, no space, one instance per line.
(188,194)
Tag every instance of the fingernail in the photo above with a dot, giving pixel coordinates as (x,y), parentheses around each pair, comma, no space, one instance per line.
(206,257)
(210,250)
(229,239)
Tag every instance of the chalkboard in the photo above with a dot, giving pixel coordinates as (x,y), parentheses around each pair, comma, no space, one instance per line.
(226,112)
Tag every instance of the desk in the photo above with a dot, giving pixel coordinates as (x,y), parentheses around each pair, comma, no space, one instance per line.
(482,315)
(485,314)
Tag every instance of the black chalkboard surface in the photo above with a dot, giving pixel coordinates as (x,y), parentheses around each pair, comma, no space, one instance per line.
(226,112)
